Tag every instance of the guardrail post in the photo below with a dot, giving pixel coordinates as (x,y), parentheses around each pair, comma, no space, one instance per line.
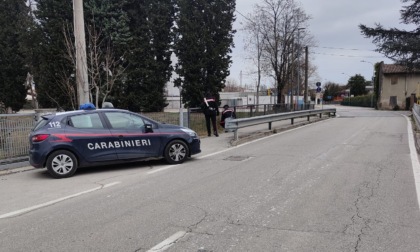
(308,118)
(235,135)
(293,120)
(320,115)
(269,125)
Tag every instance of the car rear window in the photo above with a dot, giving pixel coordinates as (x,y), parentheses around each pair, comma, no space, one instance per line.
(41,123)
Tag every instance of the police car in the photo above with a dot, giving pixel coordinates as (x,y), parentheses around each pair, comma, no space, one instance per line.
(65,141)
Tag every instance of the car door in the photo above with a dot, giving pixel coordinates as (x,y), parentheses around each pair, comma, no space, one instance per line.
(90,137)
(131,139)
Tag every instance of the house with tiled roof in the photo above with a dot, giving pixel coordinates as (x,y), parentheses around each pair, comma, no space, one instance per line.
(396,84)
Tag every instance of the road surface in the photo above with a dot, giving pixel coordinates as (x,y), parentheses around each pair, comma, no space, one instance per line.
(343,184)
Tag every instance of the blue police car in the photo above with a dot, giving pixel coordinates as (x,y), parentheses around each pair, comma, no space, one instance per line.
(65,141)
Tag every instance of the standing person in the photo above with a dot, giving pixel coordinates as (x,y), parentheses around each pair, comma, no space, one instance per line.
(227,113)
(211,110)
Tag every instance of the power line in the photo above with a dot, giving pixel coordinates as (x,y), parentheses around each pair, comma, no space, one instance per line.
(348,56)
(341,48)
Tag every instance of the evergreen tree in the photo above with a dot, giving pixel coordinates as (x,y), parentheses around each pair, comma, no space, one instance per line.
(14,17)
(399,45)
(149,58)
(357,85)
(332,90)
(54,75)
(111,21)
(204,38)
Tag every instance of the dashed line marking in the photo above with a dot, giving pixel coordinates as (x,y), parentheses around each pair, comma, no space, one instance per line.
(168,242)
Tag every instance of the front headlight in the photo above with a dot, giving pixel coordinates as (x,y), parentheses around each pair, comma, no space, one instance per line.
(189,132)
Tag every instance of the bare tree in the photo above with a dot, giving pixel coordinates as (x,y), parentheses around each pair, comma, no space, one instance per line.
(255,46)
(67,85)
(66,82)
(104,69)
(278,23)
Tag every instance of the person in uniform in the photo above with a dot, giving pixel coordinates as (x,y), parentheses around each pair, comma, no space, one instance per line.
(211,110)
(227,113)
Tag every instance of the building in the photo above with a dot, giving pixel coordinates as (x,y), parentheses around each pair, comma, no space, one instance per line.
(396,85)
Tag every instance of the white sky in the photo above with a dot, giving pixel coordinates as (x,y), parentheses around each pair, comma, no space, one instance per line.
(333,24)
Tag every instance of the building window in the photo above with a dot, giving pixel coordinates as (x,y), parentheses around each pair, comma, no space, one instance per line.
(394,80)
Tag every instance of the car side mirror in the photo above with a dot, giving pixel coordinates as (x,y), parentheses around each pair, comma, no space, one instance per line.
(148,128)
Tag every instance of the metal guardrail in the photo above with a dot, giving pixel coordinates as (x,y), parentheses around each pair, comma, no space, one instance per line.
(235,124)
(416,114)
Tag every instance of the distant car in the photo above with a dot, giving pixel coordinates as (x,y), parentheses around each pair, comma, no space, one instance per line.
(65,141)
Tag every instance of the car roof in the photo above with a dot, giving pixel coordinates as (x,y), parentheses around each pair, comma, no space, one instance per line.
(76,112)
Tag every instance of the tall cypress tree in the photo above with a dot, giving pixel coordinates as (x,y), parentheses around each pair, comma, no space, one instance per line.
(204,38)
(14,17)
(149,58)
(111,21)
(54,75)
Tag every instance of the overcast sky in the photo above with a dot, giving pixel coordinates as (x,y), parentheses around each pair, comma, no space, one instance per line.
(334,25)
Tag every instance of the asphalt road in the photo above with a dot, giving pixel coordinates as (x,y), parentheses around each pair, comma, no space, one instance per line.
(344,184)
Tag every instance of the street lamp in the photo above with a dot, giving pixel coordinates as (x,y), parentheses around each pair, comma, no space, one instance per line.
(373,82)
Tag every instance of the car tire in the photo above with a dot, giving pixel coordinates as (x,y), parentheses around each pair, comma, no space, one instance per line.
(61,164)
(176,152)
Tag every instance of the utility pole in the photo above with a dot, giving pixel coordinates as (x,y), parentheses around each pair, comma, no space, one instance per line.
(305,95)
(81,61)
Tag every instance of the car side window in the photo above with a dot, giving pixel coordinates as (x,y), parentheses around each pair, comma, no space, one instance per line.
(124,120)
(87,121)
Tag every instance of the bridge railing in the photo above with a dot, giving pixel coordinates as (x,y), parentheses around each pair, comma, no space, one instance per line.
(236,124)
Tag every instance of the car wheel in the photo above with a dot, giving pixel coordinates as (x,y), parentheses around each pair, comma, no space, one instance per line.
(176,152)
(62,164)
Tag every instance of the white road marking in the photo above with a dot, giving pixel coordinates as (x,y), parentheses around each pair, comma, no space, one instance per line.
(161,169)
(414,159)
(168,242)
(52,202)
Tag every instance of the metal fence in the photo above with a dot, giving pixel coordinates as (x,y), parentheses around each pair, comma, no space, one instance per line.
(14,133)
